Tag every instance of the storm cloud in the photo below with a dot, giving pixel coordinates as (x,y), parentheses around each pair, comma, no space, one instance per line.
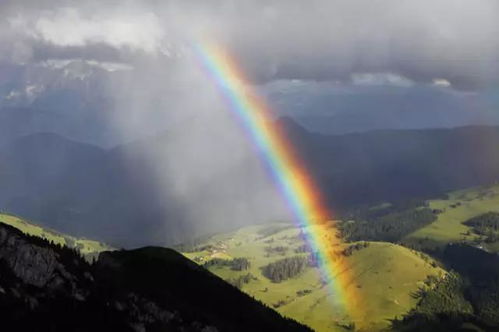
(422,41)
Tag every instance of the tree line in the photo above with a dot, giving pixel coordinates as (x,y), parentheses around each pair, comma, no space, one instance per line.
(485,225)
(286,268)
(236,264)
(240,281)
(469,294)
(390,227)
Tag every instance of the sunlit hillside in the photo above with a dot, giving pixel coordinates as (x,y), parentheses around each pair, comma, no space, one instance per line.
(384,276)
(88,248)
(454,211)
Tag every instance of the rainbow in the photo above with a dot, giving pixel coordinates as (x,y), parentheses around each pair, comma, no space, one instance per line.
(294,182)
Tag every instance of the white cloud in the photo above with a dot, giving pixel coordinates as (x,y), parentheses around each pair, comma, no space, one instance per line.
(317,39)
(387,79)
(441,82)
(33,90)
(108,66)
(139,31)
(13,95)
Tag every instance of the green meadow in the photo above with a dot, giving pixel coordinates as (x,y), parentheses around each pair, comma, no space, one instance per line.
(383,275)
(458,208)
(88,248)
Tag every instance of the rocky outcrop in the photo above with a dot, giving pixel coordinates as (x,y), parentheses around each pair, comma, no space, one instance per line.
(46,287)
(32,264)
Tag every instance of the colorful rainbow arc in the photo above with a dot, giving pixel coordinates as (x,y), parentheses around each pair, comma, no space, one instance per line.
(294,182)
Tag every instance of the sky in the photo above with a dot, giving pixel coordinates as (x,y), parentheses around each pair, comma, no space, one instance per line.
(357,41)
(327,63)
(112,72)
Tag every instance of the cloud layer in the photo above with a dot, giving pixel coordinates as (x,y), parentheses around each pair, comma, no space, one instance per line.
(423,40)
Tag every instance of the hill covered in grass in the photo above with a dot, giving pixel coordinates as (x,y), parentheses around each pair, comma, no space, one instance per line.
(384,275)
(460,231)
(88,248)
(454,219)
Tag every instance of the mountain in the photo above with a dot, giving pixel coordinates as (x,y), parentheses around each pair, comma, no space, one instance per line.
(46,287)
(83,100)
(388,165)
(63,97)
(117,195)
(89,249)
(51,179)
(330,110)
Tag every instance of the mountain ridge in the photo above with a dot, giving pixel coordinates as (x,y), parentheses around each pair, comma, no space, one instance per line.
(47,287)
(350,169)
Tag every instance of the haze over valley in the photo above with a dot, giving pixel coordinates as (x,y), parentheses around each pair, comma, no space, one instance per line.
(212,166)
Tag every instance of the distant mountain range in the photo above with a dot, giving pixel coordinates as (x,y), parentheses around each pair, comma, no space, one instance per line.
(65,98)
(112,194)
(86,101)
(388,165)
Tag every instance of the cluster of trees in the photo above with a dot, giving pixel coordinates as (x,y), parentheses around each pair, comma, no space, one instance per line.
(458,204)
(236,264)
(486,225)
(370,212)
(240,281)
(443,296)
(392,226)
(240,264)
(481,270)
(275,250)
(302,249)
(486,302)
(469,294)
(354,247)
(441,306)
(285,268)
(193,247)
(313,259)
(303,292)
(279,303)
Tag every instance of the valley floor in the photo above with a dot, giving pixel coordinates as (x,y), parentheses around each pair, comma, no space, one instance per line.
(458,208)
(384,276)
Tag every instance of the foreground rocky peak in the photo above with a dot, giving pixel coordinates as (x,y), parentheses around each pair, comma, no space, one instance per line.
(46,287)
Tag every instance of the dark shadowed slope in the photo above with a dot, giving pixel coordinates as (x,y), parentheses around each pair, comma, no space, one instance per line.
(44,287)
(193,290)
(392,165)
(53,180)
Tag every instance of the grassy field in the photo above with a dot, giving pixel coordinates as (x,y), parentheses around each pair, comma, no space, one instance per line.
(383,275)
(88,248)
(459,207)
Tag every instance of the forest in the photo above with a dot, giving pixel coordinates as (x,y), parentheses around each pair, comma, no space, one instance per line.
(387,225)
(468,294)
(236,264)
(485,225)
(285,268)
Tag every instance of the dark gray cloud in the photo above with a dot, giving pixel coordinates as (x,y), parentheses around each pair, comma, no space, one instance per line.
(374,102)
(317,39)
